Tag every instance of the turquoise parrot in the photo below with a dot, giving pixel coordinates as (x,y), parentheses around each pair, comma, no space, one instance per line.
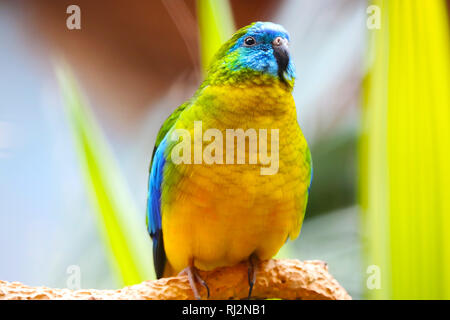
(215,200)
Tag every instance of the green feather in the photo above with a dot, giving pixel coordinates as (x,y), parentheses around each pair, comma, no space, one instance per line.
(168,123)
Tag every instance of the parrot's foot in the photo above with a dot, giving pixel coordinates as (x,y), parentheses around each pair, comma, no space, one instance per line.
(193,275)
(251,274)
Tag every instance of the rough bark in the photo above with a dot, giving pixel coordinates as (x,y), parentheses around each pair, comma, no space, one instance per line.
(282,279)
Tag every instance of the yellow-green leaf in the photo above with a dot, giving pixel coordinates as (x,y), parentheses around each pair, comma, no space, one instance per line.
(124,235)
(216,26)
(405,151)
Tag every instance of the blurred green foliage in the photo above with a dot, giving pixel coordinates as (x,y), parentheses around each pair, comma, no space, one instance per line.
(125,237)
(216,26)
(334,182)
(404,151)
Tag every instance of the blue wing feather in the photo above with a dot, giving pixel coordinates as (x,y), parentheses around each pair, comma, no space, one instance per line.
(154,208)
(155,181)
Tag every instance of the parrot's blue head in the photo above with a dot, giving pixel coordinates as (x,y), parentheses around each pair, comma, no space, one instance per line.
(260,48)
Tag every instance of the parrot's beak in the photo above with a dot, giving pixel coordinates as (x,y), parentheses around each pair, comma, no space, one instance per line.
(281,53)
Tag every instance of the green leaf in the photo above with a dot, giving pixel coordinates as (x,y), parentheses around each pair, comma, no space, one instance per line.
(124,235)
(216,25)
(404,154)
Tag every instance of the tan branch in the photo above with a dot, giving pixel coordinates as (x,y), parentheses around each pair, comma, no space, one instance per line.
(282,279)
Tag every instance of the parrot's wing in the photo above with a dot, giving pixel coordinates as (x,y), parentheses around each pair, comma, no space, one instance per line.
(311,175)
(153,217)
(303,200)
(168,123)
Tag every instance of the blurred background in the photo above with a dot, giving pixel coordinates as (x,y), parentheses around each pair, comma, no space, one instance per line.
(372,95)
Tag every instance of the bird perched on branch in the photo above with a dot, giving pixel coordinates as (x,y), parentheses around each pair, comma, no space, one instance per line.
(215,200)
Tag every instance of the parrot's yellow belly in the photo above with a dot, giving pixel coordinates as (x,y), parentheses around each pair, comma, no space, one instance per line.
(220,214)
(224,224)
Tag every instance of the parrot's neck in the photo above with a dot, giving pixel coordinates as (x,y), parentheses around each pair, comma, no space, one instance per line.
(248,104)
(247,78)
(270,98)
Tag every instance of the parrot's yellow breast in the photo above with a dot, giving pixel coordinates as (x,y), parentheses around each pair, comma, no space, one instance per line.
(220,214)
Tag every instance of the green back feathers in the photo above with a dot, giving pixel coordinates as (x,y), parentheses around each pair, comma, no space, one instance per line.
(167,125)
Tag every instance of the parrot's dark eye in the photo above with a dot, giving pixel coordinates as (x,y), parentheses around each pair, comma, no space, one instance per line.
(249,41)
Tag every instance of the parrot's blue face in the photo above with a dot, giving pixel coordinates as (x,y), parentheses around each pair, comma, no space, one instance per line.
(264,48)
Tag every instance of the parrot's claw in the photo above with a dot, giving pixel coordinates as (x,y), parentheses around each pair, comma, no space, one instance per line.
(251,275)
(192,274)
